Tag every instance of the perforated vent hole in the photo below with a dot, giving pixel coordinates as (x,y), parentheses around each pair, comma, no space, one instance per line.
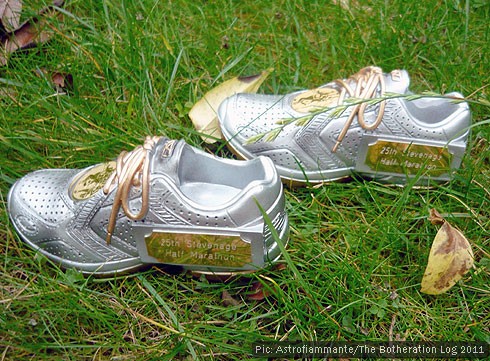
(283,159)
(40,191)
(64,251)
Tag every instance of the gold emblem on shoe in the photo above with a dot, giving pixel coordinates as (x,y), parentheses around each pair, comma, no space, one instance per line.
(199,249)
(88,183)
(315,99)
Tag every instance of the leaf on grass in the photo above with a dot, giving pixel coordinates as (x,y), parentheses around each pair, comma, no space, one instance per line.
(10,14)
(228,300)
(257,292)
(350,4)
(62,82)
(450,258)
(32,32)
(204,113)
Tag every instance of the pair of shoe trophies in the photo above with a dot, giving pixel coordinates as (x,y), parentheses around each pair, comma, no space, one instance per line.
(166,202)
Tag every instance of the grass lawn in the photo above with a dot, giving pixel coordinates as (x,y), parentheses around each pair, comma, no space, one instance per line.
(358,249)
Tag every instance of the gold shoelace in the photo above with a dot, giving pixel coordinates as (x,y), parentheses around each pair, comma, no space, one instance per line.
(132,170)
(366,84)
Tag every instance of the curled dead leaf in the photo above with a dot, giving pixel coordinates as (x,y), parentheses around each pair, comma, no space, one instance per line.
(30,33)
(228,300)
(10,11)
(62,82)
(450,258)
(204,113)
(257,292)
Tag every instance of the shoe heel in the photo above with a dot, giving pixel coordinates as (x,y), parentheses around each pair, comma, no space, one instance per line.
(204,251)
(398,160)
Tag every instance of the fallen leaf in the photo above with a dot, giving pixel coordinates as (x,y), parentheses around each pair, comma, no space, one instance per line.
(29,34)
(203,113)
(62,82)
(350,4)
(228,300)
(258,292)
(450,257)
(10,11)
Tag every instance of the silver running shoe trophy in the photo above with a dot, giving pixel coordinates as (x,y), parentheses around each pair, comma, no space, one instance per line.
(370,124)
(164,202)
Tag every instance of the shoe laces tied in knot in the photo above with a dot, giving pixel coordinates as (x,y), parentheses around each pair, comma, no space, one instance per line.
(366,81)
(132,170)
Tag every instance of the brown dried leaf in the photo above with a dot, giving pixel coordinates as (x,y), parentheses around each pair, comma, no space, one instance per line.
(10,14)
(62,82)
(29,34)
(450,258)
(435,217)
(228,300)
(258,293)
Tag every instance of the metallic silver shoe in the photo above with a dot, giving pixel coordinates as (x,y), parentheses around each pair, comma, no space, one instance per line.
(164,202)
(370,124)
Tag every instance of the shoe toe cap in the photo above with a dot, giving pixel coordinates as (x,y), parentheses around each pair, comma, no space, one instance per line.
(41,212)
(42,197)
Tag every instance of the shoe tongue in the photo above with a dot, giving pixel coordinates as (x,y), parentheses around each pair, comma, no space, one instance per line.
(166,157)
(398,81)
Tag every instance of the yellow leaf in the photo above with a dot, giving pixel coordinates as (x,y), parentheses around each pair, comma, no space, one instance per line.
(204,113)
(450,258)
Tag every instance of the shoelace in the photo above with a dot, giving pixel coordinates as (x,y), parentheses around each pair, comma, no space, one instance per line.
(366,84)
(132,170)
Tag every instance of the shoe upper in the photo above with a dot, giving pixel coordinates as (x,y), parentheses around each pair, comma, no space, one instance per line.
(322,147)
(66,214)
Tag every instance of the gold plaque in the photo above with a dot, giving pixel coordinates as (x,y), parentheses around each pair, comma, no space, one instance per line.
(199,249)
(88,183)
(315,99)
(408,158)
